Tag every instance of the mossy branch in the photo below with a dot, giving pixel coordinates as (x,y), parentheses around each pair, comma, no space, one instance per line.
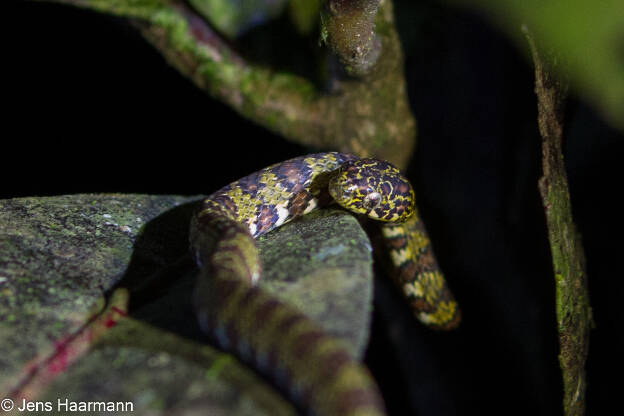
(572,299)
(368,116)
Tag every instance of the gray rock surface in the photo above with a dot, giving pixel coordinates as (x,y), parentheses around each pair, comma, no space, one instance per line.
(59,255)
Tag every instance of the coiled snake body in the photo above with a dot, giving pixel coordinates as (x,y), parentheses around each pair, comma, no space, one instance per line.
(275,337)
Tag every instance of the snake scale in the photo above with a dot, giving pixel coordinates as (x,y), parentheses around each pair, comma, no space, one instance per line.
(274,337)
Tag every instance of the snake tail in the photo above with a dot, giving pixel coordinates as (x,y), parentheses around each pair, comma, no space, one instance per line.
(416,273)
(313,367)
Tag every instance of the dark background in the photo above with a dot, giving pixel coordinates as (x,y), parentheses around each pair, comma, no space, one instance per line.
(90,107)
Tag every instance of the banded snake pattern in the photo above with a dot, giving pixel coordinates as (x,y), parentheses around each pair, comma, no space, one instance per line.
(274,337)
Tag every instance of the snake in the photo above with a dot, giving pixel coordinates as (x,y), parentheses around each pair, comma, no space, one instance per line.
(313,367)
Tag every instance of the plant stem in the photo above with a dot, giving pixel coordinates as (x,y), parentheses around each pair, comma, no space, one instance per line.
(572,298)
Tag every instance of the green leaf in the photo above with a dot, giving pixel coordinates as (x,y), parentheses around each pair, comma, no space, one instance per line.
(588,36)
(232,17)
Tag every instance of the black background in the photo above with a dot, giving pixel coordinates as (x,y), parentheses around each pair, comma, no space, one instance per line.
(90,107)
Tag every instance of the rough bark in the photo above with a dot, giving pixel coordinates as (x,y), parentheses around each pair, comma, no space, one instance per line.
(348,28)
(572,298)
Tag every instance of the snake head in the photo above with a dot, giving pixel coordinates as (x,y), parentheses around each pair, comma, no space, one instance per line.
(373,187)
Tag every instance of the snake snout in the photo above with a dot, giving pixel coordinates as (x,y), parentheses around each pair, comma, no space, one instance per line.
(374,188)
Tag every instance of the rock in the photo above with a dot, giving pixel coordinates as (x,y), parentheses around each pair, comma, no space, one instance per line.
(59,255)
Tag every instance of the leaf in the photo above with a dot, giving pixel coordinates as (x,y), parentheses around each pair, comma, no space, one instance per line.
(232,18)
(588,36)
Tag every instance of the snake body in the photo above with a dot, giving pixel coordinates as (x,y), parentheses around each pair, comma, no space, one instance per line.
(275,337)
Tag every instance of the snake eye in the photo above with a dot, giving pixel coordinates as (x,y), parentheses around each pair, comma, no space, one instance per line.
(372,200)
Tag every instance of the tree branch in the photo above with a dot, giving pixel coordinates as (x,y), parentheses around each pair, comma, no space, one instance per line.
(368,116)
(572,298)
